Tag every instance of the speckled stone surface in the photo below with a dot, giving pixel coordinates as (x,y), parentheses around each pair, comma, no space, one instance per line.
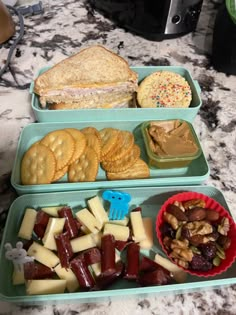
(64,28)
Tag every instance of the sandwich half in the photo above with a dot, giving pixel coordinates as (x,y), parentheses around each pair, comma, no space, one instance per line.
(93,78)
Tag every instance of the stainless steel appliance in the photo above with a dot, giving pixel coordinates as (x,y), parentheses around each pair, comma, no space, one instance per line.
(152,19)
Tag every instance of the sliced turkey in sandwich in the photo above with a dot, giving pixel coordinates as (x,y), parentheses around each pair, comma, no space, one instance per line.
(93,78)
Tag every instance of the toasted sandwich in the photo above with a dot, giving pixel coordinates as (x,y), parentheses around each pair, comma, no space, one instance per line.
(93,78)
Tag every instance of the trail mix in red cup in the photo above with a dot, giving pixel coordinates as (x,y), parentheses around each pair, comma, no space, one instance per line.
(194,236)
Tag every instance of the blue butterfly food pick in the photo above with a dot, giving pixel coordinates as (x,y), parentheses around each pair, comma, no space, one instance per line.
(119,203)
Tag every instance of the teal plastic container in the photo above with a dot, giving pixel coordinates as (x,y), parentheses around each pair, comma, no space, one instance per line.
(195,173)
(150,199)
(46,115)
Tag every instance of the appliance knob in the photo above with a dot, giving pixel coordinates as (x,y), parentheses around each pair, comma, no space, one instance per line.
(194,13)
(176,19)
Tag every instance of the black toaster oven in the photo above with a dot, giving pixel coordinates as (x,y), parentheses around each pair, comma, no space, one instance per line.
(152,19)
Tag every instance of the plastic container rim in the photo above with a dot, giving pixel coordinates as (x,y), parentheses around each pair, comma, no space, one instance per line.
(169,159)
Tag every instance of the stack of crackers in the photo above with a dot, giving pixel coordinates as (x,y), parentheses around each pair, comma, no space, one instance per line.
(79,153)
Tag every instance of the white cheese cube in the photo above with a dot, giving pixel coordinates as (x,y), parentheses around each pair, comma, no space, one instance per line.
(82,242)
(88,220)
(43,255)
(85,230)
(98,210)
(147,243)
(72,283)
(121,233)
(18,276)
(45,286)
(97,238)
(54,227)
(52,211)
(137,226)
(178,274)
(96,269)
(125,221)
(27,225)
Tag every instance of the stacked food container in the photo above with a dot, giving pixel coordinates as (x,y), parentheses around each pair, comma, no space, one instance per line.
(167,177)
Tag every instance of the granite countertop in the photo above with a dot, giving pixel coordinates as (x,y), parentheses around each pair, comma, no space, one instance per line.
(62,30)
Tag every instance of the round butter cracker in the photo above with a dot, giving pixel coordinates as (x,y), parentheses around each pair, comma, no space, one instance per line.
(124,145)
(94,142)
(80,143)
(62,144)
(124,163)
(38,165)
(138,170)
(84,169)
(109,138)
(91,130)
(59,174)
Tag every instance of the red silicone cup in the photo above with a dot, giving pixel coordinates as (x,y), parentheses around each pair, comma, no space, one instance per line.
(210,204)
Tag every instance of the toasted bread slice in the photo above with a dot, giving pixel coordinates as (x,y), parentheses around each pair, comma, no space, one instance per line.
(92,67)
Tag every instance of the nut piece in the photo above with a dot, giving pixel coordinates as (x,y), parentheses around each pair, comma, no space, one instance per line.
(177,212)
(198,239)
(171,219)
(196,214)
(179,204)
(199,227)
(216,261)
(224,241)
(167,242)
(212,215)
(189,204)
(181,263)
(224,226)
(179,244)
(181,251)
(220,252)
(213,236)
(183,254)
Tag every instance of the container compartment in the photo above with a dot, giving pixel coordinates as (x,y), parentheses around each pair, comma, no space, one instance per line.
(150,199)
(195,173)
(46,115)
(170,161)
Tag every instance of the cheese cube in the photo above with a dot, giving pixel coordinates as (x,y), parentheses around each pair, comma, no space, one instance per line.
(27,225)
(18,276)
(125,221)
(88,220)
(83,242)
(55,226)
(121,233)
(98,210)
(72,283)
(43,255)
(178,274)
(137,226)
(45,286)
(147,243)
(52,211)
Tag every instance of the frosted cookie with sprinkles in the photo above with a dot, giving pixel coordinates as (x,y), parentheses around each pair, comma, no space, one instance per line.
(164,89)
